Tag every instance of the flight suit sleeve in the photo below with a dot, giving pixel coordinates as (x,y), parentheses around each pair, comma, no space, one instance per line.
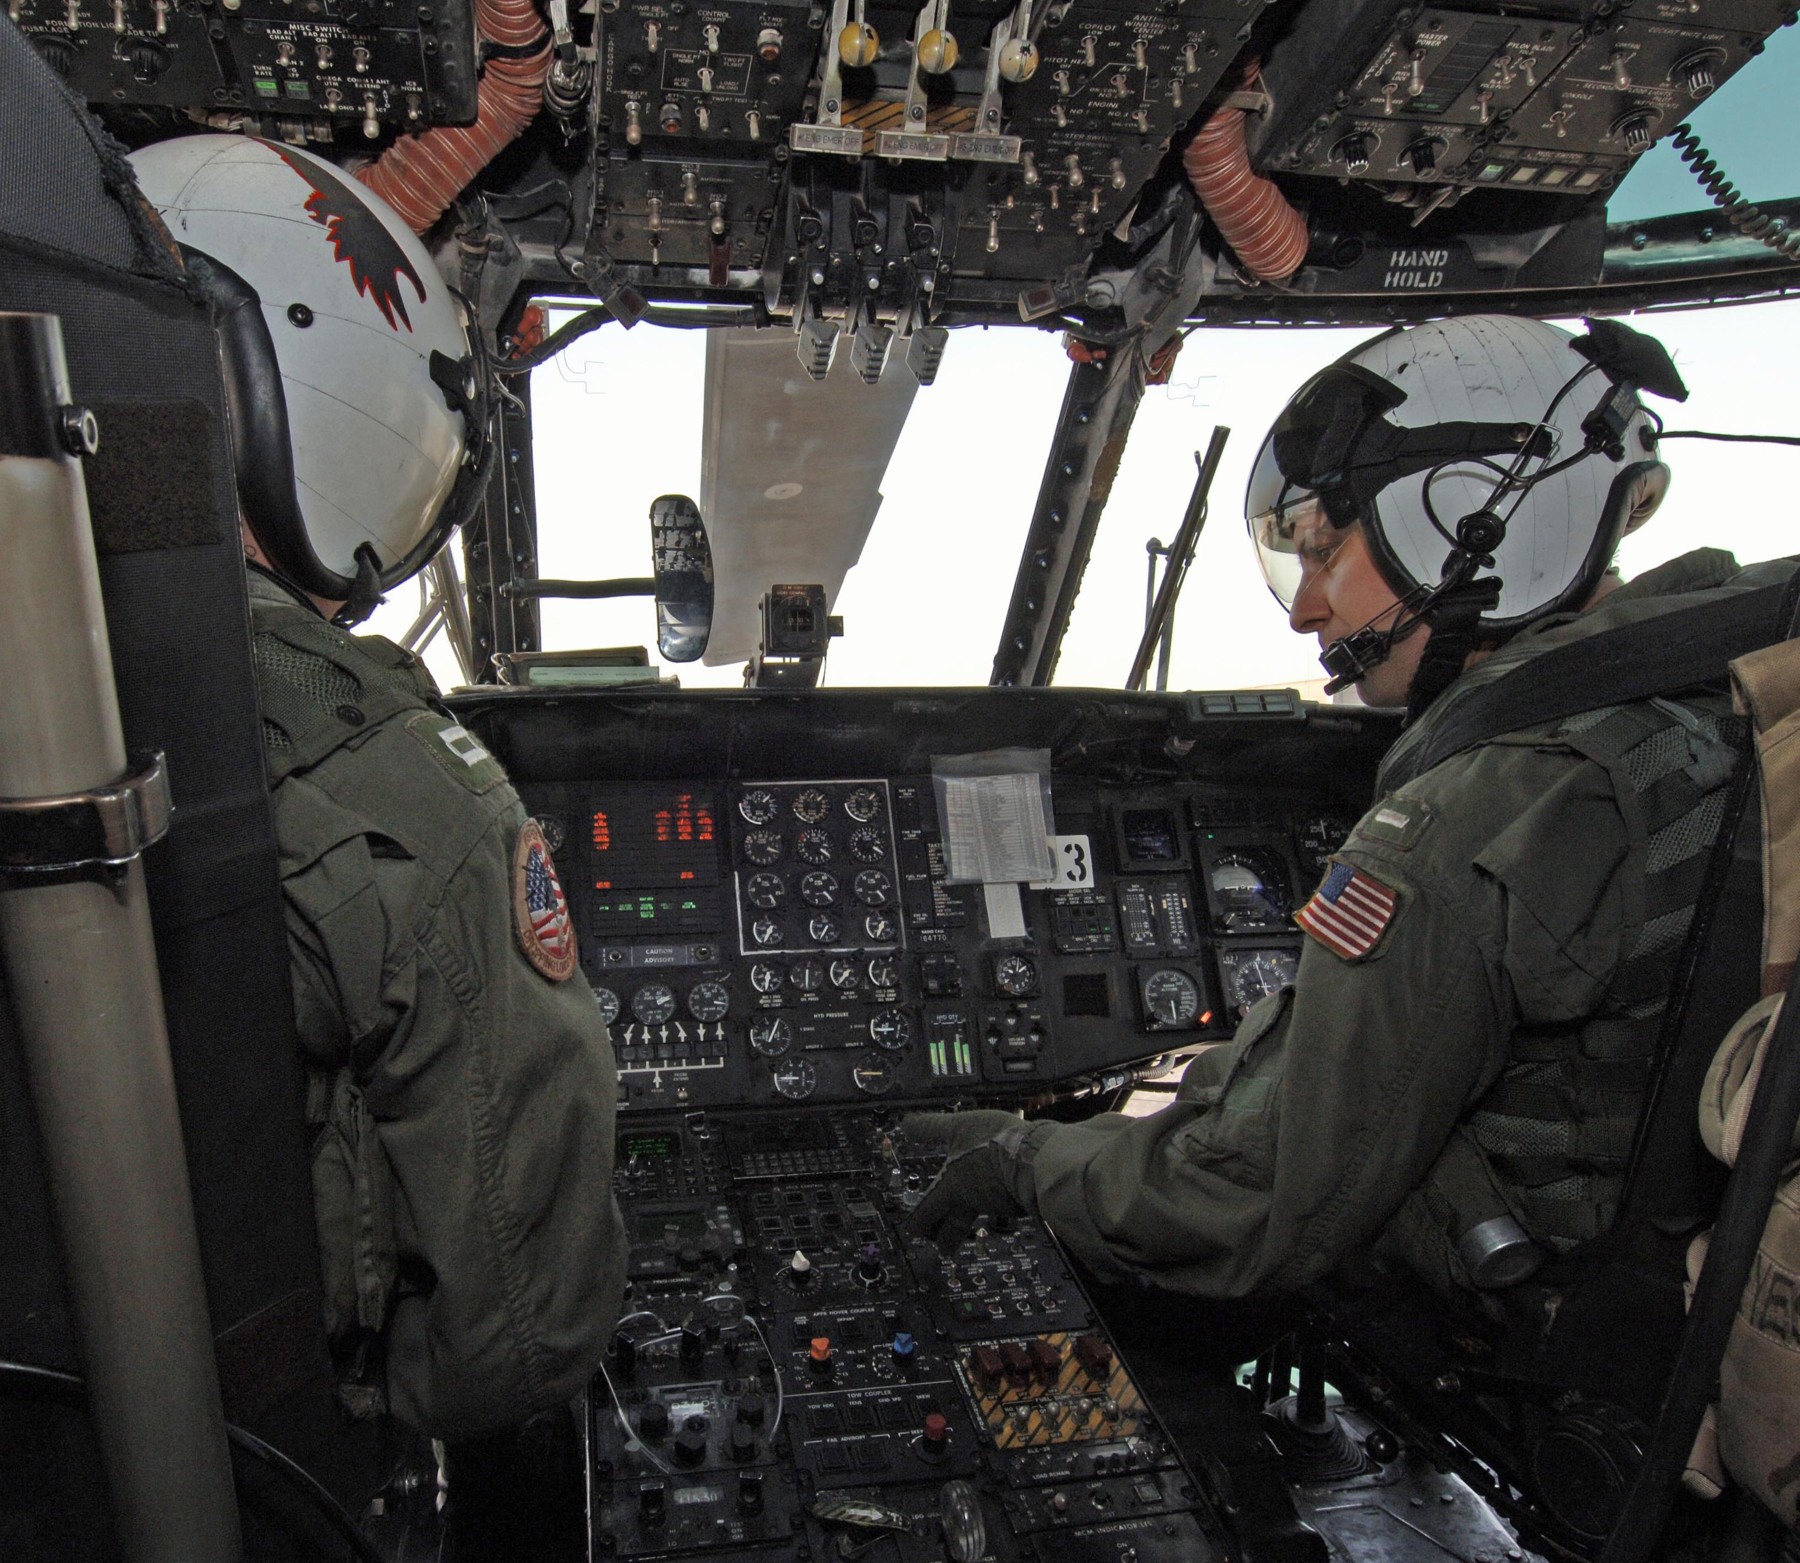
(1295,1143)
(472,1117)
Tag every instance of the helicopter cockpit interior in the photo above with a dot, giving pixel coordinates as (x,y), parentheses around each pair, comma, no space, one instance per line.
(772,884)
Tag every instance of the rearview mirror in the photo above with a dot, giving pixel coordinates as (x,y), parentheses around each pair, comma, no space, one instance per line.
(682,561)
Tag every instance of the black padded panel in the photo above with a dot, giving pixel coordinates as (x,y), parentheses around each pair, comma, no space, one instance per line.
(73,243)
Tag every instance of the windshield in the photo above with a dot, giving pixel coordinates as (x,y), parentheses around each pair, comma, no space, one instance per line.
(618,422)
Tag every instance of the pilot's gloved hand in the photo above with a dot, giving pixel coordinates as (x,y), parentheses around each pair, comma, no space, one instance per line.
(988,1172)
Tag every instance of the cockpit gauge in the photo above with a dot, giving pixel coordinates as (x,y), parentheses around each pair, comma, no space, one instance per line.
(867,845)
(554,834)
(763,847)
(884,971)
(1315,840)
(874,1077)
(771,1035)
(872,887)
(709,1001)
(765,891)
(609,1004)
(807,974)
(845,974)
(890,1030)
(819,888)
(863,804)
(879,928)
(1250,891)
(813,846)
(1253,974)
(765,933)
(811,806)
(758,807)
(1015,976)
(796,1079)
(1172,999)
(654,1003)
(766,977)
(825,928)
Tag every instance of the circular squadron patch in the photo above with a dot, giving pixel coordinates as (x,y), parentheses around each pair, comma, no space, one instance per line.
(540,910)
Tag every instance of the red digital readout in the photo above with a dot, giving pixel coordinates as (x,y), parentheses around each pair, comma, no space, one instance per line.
(683,820)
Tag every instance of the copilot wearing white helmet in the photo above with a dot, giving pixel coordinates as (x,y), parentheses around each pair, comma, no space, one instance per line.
(1490,466)
(460,1081)
(1451,1082)
(348,362)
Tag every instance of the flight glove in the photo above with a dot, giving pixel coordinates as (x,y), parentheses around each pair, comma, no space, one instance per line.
(986,1173)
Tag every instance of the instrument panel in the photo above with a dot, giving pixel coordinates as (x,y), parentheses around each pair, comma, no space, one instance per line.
(787,940)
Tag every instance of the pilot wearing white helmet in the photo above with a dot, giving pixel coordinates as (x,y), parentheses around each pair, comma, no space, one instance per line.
(1454,1079)
(461,1085)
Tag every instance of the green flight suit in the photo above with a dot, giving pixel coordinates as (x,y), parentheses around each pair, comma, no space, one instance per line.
(1345,1105)
(462,1100)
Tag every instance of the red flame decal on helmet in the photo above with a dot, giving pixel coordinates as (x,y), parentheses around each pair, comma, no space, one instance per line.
(359,239)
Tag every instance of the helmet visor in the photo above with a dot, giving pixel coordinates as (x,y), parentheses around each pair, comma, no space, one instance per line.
(1294,541)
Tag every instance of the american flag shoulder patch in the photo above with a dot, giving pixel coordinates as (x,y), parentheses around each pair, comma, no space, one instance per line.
(540,909)
(1349,912)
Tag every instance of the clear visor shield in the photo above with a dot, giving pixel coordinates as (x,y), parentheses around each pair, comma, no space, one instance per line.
(1293,536)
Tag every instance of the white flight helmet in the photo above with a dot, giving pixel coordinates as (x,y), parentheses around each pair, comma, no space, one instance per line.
(351,383)
(1493,456)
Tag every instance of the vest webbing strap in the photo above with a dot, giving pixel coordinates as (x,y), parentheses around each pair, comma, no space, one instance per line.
(1671,652)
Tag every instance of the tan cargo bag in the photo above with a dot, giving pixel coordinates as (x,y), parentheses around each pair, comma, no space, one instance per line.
(1754,1431)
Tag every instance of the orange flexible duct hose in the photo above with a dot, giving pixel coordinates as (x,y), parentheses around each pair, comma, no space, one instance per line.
(1264,231)
(420,175)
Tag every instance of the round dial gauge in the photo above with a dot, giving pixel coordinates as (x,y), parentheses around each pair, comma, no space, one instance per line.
(872,887)
(654,1003)
(554,834)
(709,1001)
(1171,998)
(1316,840)
(884,971)
(807,974)
(765,933)
(1015,976)
(765,977)
(879,928)
(819,888)
(845,973)
(771,1036)
(1249,890)
(759,807)
(609,1004)
(763,847)
(867,845)
(863,804)
(765,890)
(824,928)
(1253,974)
(889,1029)
(876,1077)
(811,806)
(795,1079)
(814,847)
